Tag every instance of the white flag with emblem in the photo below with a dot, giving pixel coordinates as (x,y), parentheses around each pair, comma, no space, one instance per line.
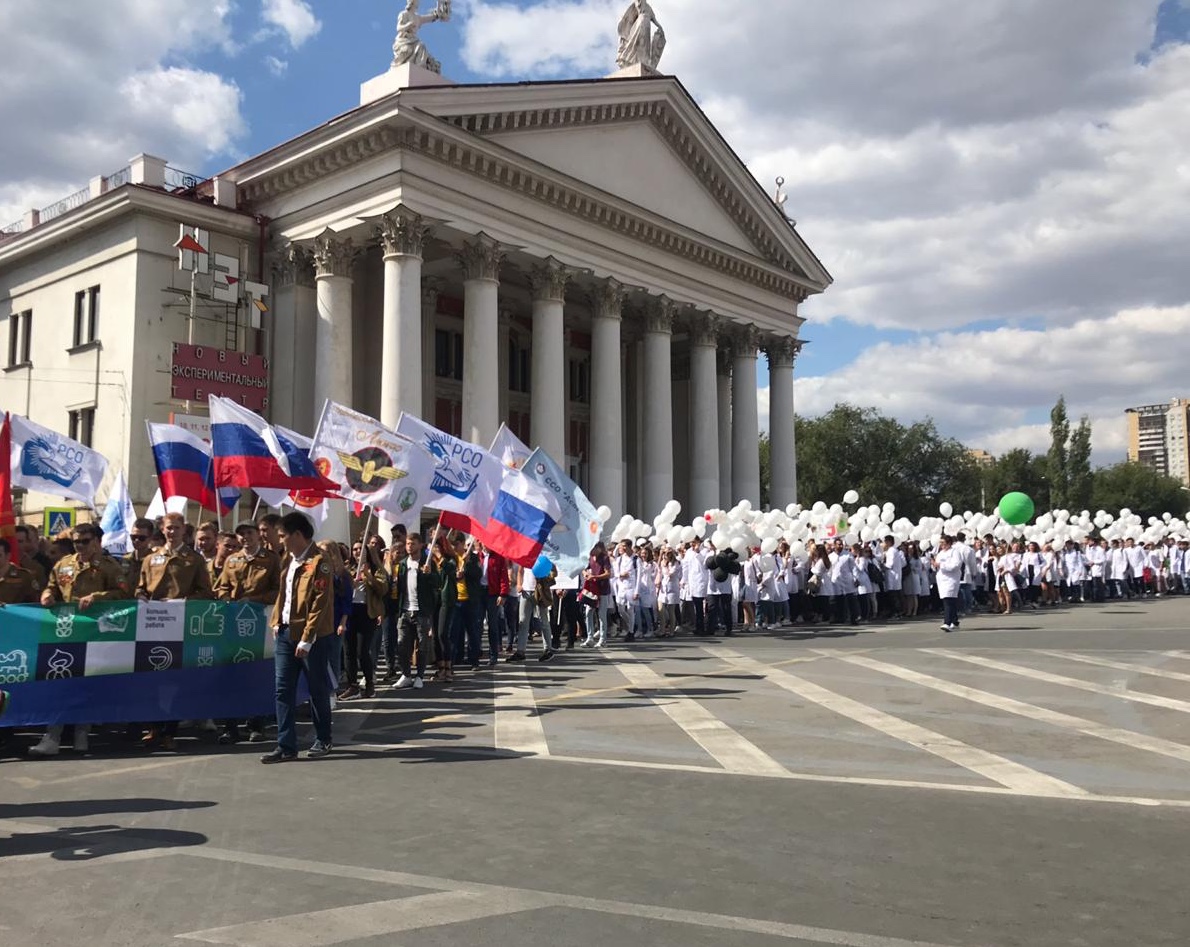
(52,463)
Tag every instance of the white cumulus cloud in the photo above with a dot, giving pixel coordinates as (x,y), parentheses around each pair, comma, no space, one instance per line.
(294,18)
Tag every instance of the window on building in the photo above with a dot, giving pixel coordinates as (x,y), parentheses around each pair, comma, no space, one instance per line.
(86,316)
(82,425)
(519,367)
(20,326)
(580,390)
(448,354)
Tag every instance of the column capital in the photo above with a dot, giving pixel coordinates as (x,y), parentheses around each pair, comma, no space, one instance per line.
(659,315)
(333,257)
(745,341)
(723,359)
(431,289)
(782,350)
(402,233)
(607,299)
(294,266)
(549,280)
(704,328)
(481,258)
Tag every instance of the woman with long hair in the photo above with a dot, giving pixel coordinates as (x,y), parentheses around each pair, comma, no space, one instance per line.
(669,579)
(369,586)
(341,596)
(443,558)
(820,579)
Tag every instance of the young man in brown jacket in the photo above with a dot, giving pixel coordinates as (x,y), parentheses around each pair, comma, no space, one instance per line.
(303,625)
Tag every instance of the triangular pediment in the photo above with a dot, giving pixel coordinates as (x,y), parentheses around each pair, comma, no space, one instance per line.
(645,143)
(633,162)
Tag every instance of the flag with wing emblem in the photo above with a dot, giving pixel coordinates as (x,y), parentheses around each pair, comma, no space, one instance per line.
(374,465)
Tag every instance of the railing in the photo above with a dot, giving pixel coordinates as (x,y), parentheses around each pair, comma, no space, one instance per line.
(181,180)
(119,179)
(14,228)
(57,209)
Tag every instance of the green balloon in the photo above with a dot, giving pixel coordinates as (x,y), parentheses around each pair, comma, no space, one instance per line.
(1016,509)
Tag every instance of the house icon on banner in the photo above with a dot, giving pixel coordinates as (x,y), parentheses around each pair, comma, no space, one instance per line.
(246,621)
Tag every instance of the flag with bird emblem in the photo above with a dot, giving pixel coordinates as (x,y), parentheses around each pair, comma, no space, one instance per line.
(373,464)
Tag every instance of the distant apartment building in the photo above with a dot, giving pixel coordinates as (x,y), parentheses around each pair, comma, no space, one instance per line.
(1159,437)
(981,457)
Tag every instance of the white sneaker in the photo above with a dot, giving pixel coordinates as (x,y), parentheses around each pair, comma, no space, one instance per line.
(418,683)
(599,642)
(82,742)
(586,642)
(404,681)
(47,747)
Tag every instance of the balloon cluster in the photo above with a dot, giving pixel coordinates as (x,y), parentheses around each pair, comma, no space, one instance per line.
(742,528)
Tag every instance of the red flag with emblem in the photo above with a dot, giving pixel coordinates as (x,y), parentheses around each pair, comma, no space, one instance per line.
(7,520)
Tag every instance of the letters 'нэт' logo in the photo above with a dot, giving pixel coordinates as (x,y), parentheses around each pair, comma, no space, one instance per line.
(58,463)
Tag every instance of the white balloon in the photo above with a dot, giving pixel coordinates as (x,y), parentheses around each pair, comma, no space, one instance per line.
(603,514)
(887,517)
(700,528)
(689,534)
(851,497)
(768,563)
(719,539)
(769,545)
(740,545)
(946,510)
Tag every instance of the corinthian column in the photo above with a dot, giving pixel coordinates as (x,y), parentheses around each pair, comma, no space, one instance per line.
(607,443)
(782,352)
(704,414)
(402,234)
(723,386)
(658,479)
(480,259)
(745,424)
(333,368)
(547,410)
(294,320)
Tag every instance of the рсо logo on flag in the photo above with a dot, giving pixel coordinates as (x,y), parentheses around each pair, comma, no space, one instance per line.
(56,462)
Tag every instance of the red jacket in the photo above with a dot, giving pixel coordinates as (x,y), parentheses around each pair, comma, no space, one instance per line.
(497,574)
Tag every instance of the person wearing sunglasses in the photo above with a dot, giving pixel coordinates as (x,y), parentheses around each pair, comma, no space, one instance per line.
(85,578)
(141,537)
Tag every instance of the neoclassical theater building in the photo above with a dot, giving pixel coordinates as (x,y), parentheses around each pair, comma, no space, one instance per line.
(588,261)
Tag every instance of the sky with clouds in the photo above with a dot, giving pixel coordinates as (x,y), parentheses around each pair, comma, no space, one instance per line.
(1000,189)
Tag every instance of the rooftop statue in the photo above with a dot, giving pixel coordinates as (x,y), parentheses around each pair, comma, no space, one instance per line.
(642,40)
(408,48)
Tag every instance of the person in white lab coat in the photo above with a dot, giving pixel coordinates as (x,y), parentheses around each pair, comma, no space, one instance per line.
(948,564)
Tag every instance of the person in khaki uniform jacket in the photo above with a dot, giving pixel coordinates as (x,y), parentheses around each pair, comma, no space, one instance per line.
(171,572)
(304,627)
(85,577)
(174,571)
(17,586)
(250,575)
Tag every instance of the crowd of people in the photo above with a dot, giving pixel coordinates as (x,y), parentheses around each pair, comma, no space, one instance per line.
(414,612)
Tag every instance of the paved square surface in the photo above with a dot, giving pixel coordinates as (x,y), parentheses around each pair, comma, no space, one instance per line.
(1025,781)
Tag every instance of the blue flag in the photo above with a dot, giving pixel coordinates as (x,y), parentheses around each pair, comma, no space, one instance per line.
(570,543)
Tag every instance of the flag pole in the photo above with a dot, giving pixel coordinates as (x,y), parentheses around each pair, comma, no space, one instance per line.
(363,543)
(256,508)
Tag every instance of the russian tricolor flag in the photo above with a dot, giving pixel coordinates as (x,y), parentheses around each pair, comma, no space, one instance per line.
(249,452)
(524,514)
(185,468)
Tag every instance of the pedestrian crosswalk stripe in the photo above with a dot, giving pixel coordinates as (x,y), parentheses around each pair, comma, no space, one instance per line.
(1167,703)
(517,720)
(1117,665)
(732,751)
(1128,738)
(1006,772)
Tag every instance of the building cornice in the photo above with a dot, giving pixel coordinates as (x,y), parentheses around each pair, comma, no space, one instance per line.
(129,199)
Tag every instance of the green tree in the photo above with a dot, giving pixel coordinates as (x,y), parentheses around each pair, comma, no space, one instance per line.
(1018,469)
(1080,484)
(1059,470)
(912,466)
(1138,488)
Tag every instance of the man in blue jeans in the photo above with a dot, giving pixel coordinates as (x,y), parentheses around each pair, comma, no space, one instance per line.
(303,626)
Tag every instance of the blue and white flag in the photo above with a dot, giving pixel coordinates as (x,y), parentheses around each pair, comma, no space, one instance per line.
(48,462)
(117,518)
(466,477)
(569,544)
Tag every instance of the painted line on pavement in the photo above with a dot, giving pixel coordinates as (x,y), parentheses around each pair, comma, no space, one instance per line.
(1116,665)
(375,919)
(733,752)
(1129,738)
(1166,703)
(501,894)
(517,721)
(998,769)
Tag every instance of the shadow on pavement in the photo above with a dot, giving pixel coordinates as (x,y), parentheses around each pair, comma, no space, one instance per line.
(75,808)
(83,843)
